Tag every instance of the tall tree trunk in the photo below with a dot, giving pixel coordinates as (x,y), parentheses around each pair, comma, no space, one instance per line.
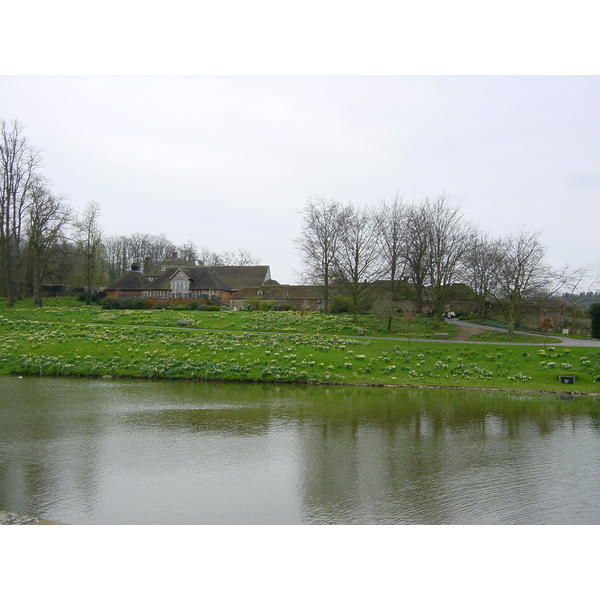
(37,285)
(510,321)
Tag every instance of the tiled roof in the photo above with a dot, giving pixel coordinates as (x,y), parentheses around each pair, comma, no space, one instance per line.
(131,281)
(239,277)
(163,281)
(212,278)
(159,269)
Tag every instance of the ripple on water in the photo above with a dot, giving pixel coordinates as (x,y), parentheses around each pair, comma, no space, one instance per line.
(79,452)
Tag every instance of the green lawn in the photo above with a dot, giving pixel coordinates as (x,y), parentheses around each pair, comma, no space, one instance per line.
(86,341)
(72,311)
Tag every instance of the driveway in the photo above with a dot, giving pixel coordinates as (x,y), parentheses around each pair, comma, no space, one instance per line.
(468,328)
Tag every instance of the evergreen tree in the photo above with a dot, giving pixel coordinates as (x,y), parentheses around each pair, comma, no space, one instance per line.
(595,314)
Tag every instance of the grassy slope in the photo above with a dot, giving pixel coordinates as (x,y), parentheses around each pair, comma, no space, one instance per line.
(84,341)
(283,322)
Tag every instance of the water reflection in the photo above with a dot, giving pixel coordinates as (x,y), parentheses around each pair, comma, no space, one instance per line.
(107,451)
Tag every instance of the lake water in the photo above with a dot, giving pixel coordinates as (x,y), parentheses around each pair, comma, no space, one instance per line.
(89,451)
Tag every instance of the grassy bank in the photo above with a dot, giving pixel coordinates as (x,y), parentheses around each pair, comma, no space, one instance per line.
(81,341)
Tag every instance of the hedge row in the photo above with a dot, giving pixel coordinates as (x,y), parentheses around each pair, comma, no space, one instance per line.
(110,303)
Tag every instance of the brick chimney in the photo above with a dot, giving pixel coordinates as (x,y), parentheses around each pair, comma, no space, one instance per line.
(147,265)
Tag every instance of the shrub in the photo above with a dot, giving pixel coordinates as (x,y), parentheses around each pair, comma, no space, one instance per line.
(180,307)
(340,305)
(109,303)
(212,307)
(95,297)
(138,304)
(193,305)
(253,304)
(125,303)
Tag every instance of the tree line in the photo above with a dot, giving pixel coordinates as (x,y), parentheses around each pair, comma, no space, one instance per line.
(44,241)
(120,252)
(429,247)
(33,219)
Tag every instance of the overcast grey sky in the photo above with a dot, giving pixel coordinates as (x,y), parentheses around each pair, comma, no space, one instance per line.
(229,161)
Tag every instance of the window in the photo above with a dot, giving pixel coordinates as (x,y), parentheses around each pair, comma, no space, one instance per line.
(180,285)
(259,293)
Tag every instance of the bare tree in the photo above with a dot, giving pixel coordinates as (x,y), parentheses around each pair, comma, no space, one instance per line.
(390,221)
(227,257)
(65,264)
(415,253)
(319,241)
(137,247)
(239,257)
(88,236)
(448,236)
(481,263)
(156,247)
(579,277)
(160,247)
(385,306)
(522,277)
(47,217)
(208,258)
(357,261)
(189,252)
(116,256)
(436,242)
(123,251)
(244,258)
(19,164)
